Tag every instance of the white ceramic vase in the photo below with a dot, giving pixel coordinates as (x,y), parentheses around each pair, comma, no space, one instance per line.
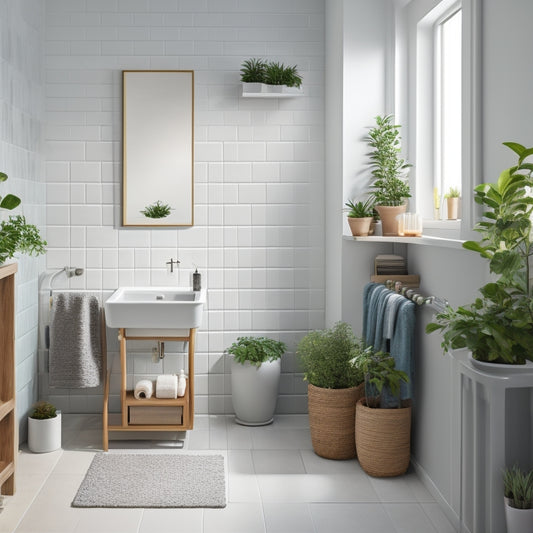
(518,520)
(44,435)
(254,392)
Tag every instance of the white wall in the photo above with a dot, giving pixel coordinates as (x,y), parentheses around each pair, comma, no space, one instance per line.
(21,109)
(259,173)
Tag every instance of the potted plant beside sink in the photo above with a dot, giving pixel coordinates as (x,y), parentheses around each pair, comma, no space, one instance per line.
(255,374)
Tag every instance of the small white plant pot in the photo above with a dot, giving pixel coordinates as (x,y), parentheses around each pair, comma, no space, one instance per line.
(518,520)
(254,392)
(44,435)
(248,87)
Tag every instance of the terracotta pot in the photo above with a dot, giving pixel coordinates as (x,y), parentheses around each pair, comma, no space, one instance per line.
(360,226)
(453,208)
(388,214)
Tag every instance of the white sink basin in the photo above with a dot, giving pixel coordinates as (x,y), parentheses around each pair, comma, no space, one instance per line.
(155,308)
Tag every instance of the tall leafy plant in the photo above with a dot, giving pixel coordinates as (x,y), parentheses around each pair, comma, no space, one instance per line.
(325,357)
(498,326)
(388,168)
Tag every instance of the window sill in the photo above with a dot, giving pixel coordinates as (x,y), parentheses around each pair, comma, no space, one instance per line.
(425,240)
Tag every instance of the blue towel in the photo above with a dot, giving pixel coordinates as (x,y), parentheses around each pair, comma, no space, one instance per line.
(374,302)
(402,344)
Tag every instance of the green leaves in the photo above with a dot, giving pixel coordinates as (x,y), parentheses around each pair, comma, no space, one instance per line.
(326,355)
(9,201)
(518,487)
(256,350)
(18,236)
(360,209)
(156,210)
(274,73)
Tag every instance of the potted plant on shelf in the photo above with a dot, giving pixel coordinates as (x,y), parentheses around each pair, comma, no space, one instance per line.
(452,202)
(44,428)
(334,387)
(498,326)
(390,189)
(360,216)
(382,421)
(259,76)
(16,235)
(518,498)
(255,374)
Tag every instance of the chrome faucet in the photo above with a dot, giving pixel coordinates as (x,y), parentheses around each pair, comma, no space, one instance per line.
(173,262)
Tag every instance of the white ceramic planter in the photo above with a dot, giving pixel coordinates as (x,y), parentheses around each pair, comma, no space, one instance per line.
(518,520)
(254,392)
(44,435)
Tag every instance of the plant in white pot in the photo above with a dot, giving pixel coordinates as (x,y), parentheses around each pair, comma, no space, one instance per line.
(498,326)
(255,375)
(518,498)
(44,428)
(390,188)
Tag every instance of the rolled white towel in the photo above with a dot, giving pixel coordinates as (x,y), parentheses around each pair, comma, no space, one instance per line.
(143,389)
(166,386)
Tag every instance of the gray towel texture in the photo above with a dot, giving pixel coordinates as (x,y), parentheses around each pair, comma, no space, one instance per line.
(75,357)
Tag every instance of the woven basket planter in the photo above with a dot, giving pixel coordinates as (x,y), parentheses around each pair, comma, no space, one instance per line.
(383,439)
(331,419)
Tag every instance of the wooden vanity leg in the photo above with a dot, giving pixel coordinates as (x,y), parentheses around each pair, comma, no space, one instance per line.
(123,370)
(105,416)
(190,385)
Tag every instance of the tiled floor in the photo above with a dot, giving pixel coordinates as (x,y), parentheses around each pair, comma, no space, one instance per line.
(276,484)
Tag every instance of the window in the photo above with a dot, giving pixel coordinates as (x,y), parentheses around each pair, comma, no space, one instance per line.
(448,102)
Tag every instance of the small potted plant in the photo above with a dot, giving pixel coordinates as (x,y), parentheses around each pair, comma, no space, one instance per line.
(518,498)
(360,216)
(390,188)
(452,202)
(334,387)
(255,374)
(16,235)
(498,326)
(253,75)
(44,428)
(382,420)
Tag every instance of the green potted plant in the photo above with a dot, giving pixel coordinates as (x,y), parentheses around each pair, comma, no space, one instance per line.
(253,74)
(44,428)
(255,374)
(518,498)
(498,326)
(360,216)
(334,387)
(390,188)
(452,202)
(259,76)
(16,235)
(382,421)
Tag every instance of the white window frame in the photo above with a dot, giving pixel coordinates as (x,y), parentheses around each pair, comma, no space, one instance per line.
(414,102)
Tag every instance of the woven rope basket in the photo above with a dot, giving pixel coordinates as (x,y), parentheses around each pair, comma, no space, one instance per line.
(331,419)
(383,439)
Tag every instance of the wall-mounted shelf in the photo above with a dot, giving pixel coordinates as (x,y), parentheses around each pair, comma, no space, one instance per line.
(266,91)
(271,95)
(425,241)
(8,433)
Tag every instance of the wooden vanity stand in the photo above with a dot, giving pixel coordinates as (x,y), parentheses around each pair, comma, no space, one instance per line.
(184,406)
(8,422)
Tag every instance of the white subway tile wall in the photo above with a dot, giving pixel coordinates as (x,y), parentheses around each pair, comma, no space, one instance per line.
(22,111)
(259,177)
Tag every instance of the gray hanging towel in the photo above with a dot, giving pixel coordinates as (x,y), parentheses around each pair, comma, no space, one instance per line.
(75,357)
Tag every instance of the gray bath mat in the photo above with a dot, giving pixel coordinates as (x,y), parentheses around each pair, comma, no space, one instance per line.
(153,480)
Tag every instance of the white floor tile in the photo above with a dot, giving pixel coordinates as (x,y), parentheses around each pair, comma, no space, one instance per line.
(288,518)
(393,490)
(172,520)
(235,518)
(243,488)
(409,517)
(240,462)
(270,438)
(314,464)
(438,518)
(278,462)
(348,518)
(108,520)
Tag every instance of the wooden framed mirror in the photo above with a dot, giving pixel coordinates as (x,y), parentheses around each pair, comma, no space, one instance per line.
(158,148)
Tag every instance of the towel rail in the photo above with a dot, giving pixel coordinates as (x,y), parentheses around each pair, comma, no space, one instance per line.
(436,302)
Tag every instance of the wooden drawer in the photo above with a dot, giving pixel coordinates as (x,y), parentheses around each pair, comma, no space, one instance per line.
(156,415)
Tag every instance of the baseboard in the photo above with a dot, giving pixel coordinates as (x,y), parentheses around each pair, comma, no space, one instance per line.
(451,515)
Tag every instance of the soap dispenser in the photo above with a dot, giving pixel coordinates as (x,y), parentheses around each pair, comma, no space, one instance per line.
(182,384)
(196,280)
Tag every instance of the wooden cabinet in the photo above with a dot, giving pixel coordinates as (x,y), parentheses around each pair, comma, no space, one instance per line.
(164,414)
(8,421)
